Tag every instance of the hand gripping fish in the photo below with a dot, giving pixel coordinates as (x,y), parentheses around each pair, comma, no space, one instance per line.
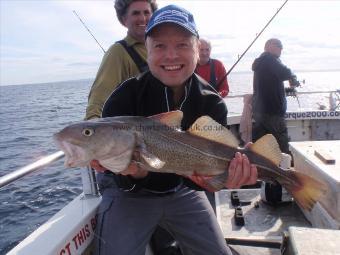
(205,149)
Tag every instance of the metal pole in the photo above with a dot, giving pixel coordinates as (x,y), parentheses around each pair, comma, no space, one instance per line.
(17,174)
(89,181)
(257,241)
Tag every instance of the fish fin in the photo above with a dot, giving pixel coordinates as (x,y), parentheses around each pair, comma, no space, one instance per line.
(208,128)
(147,158)
(209,183)
(268,148)
(218,181)
(171,119)
(152,160)
(305,189)
(117,164)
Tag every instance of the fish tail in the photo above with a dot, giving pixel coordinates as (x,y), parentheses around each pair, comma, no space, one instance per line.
(305,189)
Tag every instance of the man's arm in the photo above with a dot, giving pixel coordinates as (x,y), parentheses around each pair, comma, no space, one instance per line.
(121,101)
(222,74)
(114,69)
(282,72)
(217,110)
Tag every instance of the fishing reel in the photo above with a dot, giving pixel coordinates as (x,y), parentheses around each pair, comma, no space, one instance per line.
(293,84)
(290,91)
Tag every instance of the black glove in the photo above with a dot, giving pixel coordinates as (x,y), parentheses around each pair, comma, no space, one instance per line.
(294,82)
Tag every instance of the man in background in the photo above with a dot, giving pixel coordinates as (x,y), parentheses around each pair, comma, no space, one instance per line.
(269,99)
(270,104)
(125,58)
(212,70)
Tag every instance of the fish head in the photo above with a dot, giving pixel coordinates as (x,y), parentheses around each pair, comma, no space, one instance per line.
(87,140)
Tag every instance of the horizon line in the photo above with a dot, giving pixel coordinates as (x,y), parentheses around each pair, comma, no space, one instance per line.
(83,79)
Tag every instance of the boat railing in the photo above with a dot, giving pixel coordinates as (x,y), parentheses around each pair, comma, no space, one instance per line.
(88,176)
(21,172)
(298,92)
(334,97)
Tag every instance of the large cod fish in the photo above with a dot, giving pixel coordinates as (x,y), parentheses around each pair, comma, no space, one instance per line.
(205,149)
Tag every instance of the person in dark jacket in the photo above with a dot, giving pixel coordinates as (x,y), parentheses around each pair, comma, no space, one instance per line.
(270,104)
(136,201)
(269,99)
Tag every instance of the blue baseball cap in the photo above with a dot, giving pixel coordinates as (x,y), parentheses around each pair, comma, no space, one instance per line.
(172,14)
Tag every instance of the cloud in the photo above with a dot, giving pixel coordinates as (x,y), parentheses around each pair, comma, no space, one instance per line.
(45,41)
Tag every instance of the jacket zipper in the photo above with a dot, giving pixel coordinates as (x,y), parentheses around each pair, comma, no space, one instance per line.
(167,100)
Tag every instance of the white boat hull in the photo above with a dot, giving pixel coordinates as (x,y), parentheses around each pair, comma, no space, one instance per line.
(70,231)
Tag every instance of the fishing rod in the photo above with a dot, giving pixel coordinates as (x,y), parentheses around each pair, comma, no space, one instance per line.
(257,36)
(88,30)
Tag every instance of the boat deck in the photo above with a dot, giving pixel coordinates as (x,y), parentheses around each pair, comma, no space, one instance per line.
(264,224)
(268,226)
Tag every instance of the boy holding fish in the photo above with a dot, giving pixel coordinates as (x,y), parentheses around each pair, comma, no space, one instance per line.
(153,171)
(140,200)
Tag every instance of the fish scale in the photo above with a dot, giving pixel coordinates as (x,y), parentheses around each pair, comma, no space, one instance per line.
(184,155)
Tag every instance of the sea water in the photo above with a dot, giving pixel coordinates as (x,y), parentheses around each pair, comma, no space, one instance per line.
(30,114)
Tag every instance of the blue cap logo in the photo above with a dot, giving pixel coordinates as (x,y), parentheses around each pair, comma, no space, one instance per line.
(172,14)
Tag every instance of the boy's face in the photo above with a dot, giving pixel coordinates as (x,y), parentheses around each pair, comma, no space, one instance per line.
(172,54)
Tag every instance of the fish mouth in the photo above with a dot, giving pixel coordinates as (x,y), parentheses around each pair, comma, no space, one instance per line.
(75,156)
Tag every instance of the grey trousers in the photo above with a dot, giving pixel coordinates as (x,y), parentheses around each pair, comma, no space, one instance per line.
(126,222)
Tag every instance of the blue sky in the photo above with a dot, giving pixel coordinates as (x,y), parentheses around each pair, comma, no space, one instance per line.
(43,41)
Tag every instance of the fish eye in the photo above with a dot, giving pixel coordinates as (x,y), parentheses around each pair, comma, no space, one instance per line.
(88,131)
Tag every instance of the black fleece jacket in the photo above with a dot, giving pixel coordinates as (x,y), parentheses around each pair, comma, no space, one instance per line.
(268,88)
(145,96)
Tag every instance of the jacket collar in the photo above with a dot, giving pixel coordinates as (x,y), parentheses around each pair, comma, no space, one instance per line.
(168,94)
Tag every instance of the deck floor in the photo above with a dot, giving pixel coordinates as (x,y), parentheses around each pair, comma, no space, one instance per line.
(262,223)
